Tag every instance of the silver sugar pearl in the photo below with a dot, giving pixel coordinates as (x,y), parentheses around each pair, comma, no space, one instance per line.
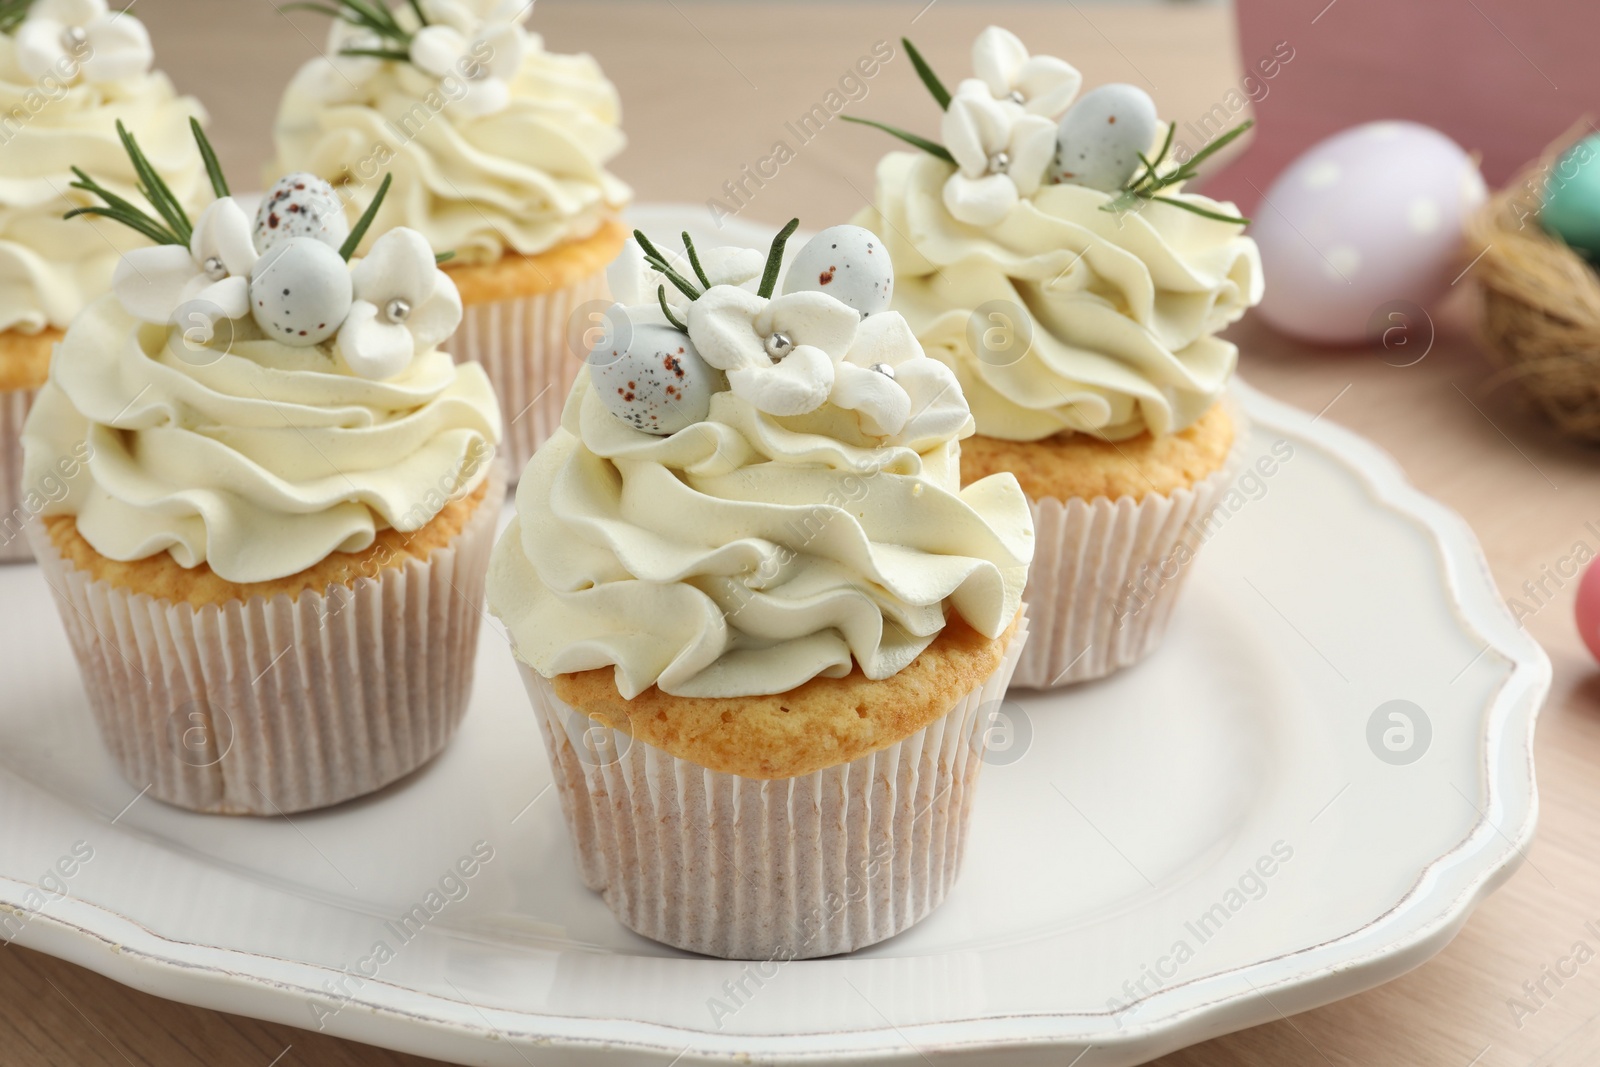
(397,310)
(1016,97)
(74,38)
(999,163)
(883,369)
(215,269)
(779,345)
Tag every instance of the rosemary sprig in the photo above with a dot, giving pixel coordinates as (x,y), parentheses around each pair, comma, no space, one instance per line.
(155,188)
(416,8)
(120,210)
(375,17)
(219,181)
(925,72)
(1149,183)
(769,277)
(653,256)
(938,151)
(364,223)
(694,260)
(442,258)
(12,12)
(661,295)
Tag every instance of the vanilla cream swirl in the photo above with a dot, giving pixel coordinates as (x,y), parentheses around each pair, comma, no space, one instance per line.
(523,180)
(1123,307)
(749,553)
(50,267)
(263,461)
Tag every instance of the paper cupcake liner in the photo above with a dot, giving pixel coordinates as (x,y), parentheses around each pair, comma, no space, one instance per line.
(1106,574)
(268,707)
(14,515)
(791,868)
(525,349)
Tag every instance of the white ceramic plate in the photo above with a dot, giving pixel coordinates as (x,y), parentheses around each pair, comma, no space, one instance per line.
(1203,843)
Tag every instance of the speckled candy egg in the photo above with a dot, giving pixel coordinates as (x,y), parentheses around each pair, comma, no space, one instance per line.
(301,205)
(1101,136)
(1370,217)
(657,381)
(300,292)
(1571,208)
(848,263)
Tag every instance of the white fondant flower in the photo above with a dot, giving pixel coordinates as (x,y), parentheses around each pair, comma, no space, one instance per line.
(58,35)
(335,78)
(779,354)
(404,305)
(194,286)
(1000,151)
(1040,85)
(897,392)
(484,51)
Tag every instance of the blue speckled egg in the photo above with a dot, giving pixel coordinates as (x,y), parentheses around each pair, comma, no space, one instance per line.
(1101,136)
(656,382)
(848,263)
(300,292)
(1572,197)
(301,205)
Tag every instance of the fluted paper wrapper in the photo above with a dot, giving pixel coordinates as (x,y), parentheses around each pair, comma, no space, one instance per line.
(14,407)
(789,868)
(1106,574)
(267,707)
(526,351)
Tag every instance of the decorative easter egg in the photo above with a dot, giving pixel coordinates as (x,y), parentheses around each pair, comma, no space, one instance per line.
(301,205)
(849,264)
(1369,217)
(653,378)
(1589,609)
(1571,208)
(1101,136)
(300,292)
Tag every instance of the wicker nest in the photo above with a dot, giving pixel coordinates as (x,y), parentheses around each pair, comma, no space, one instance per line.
(1541,313)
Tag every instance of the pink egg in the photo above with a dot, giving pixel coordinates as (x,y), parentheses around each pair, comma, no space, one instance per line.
(1367,218)
(1589,609)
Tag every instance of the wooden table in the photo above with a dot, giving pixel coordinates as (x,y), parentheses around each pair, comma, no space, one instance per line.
(708,88)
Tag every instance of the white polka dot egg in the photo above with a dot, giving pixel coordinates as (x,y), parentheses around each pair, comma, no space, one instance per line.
(1370,216)
(300,292)
(848,263)
(652,377)
(301,205)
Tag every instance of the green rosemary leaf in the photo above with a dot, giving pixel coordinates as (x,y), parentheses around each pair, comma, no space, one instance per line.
(154,188)
(769,277)
(442,258)
(929,78)
(380,17)
(938,151)
(134,222)
(321,9)
(1203,212)
(653,256)
(416,6)
(694,260)
(661,295)
(1216,146)
(219,181)
(364,223)
(378,53)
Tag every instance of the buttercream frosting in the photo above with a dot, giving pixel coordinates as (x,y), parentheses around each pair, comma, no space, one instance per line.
(50,268)
(521,172)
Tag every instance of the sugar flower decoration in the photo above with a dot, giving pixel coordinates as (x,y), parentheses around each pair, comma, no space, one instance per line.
(779,354)
(58,35)
(1039,85)
(486,51)
(1000,152)
(404,305)
(195,285)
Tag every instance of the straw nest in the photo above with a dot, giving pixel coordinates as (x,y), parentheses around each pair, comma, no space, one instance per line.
(1541,303)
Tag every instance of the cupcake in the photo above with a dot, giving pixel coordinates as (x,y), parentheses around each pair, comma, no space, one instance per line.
(277,508)
(498,151)
(1047,253)
(68,70)
(760,621)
